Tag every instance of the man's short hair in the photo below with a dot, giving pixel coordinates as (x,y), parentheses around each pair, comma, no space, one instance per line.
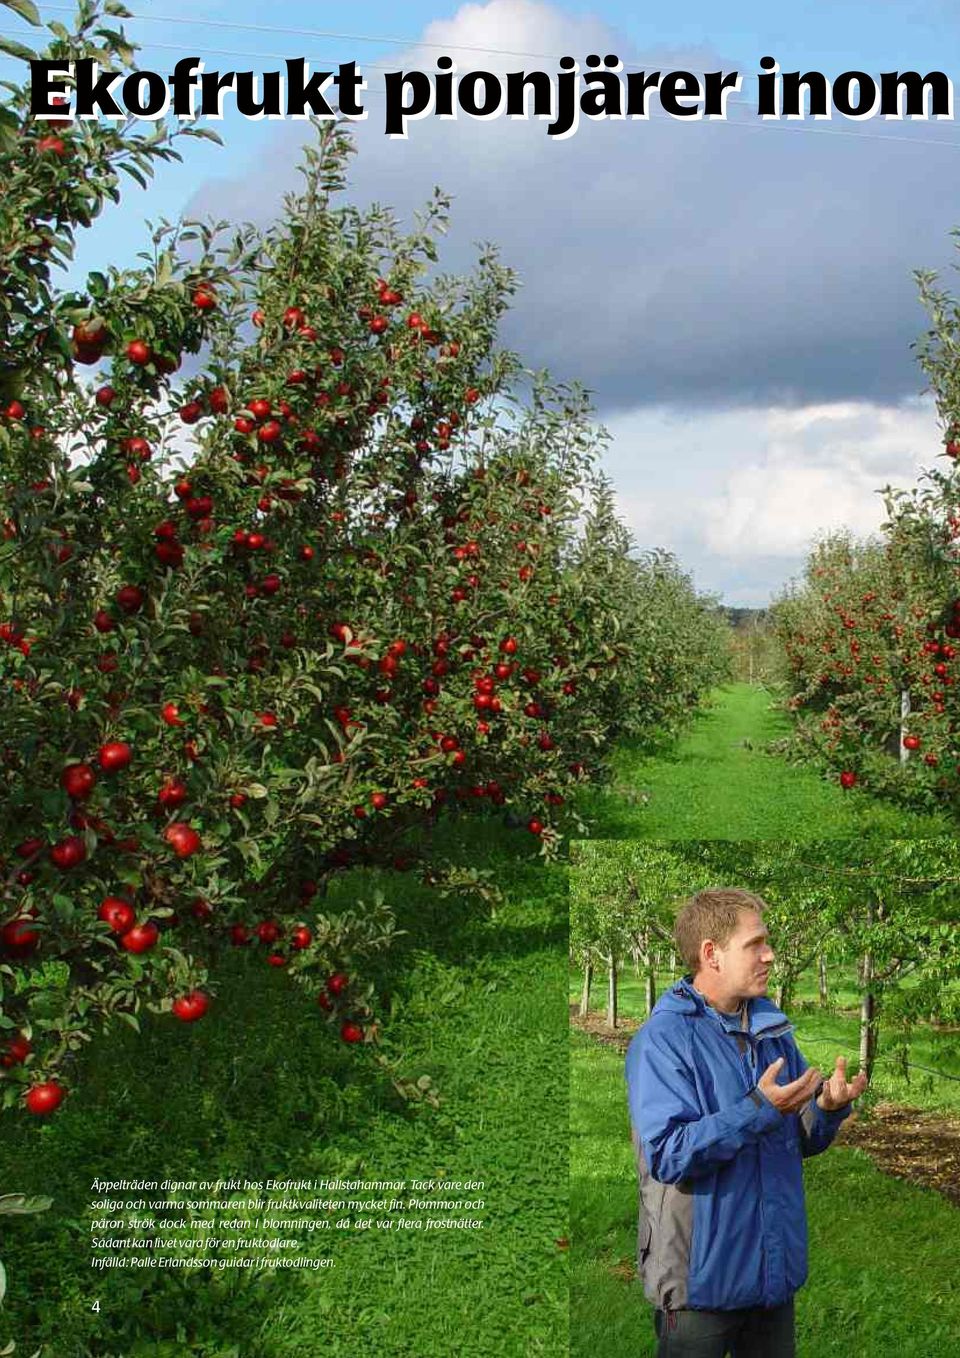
(711,914)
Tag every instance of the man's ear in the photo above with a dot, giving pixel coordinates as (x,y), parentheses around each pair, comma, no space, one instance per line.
(709,955)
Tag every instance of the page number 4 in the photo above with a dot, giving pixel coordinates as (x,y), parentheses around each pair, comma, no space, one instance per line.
(95,1306)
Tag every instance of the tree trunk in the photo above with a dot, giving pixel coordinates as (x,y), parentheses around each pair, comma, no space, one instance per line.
(651,983)
(612,992)
(904,719)
(868,1031)
(822,980)
(868,1009)
(587,983)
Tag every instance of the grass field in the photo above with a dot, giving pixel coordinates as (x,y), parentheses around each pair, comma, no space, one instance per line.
(718,782)
(262,1088)
(884,1270)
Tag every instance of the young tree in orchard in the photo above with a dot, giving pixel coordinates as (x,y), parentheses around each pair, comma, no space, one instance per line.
(291,564)
(893,906)
(885,907)
(757,657)
(622,899)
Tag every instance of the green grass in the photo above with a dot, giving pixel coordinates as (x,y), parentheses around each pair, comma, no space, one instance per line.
(824,1034)
(718,782)
(263,1088)
(884,1271)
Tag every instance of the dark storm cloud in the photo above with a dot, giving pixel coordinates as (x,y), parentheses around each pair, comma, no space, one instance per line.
(703,264)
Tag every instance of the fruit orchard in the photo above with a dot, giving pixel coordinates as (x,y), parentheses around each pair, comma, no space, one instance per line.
(293,562)
(872,633)
(880,910)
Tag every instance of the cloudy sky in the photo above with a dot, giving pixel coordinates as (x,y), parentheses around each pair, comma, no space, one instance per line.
(737,295)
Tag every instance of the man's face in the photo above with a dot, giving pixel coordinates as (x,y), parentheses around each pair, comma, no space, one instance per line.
(746,958)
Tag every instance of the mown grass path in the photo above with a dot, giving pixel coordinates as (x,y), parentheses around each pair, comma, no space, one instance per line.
(719,782)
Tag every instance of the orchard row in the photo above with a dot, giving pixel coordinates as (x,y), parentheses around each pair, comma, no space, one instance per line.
(293,562)
(872,633)
(872,645)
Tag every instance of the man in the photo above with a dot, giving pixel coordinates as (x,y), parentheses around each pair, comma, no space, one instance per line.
(724,1108)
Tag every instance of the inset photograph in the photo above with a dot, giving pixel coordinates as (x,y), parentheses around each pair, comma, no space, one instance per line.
(765,1098)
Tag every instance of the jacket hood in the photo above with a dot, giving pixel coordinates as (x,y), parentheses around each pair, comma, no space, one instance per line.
(683,998)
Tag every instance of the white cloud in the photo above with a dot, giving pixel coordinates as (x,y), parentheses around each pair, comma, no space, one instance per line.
(740,495)
(817,470)
(504,28)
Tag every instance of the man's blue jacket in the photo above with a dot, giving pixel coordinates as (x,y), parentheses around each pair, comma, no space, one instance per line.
(722,1217)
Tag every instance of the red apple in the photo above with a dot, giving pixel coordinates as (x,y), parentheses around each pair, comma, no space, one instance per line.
(44,1098)
(139,352)
(118,913)
(173,793)
(141,938)
(67,853)
(78,781)
(19,935)
(191,1006)
(114,755)
(130,598)
(182,838)
(18,1049)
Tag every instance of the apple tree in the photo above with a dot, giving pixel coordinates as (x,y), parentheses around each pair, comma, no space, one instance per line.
(294,562)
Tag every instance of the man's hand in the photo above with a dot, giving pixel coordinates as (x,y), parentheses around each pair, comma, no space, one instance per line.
(788,1098)
(837,1092)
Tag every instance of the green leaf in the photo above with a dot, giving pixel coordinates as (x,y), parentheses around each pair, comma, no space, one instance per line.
(132,1019)
(23,1204)
(134,174)
(207,133)
(26,9)
(17,49)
